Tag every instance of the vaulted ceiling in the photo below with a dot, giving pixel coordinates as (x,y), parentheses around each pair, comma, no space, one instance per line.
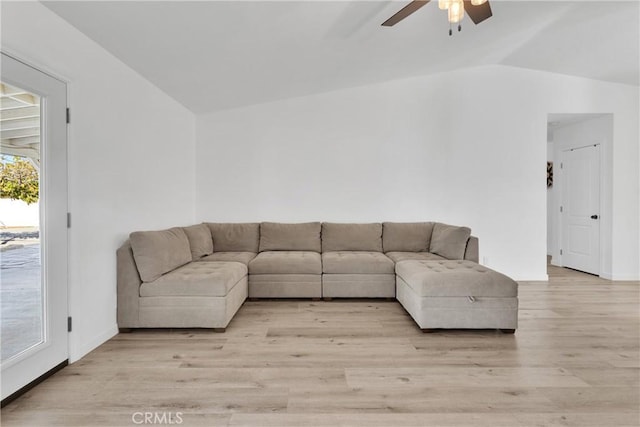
(213,55)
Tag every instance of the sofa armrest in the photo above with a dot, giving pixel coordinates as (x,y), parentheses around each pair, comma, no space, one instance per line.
(471,253)
(128,287)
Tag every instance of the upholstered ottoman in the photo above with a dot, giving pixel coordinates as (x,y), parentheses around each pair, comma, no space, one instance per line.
(457,294)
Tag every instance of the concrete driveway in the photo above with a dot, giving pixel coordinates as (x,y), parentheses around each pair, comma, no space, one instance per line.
(20,297)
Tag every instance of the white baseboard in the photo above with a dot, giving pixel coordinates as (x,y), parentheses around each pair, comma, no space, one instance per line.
(619,277)
(84,349)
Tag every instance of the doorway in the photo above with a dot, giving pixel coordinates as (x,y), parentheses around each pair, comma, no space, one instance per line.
(577,222)
(33,229)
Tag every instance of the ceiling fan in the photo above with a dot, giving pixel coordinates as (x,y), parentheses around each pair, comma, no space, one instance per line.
(478,11)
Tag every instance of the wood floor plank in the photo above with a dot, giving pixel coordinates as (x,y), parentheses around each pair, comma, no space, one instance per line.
(126,398)
(603,419)
(595,399)
(373,420)
(526,357)
(108,418)
(608,377)
(463,376)
(402,399)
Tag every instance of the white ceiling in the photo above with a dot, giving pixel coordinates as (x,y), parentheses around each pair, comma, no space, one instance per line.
(213,55)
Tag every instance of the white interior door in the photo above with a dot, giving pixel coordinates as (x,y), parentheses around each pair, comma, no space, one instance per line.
(33,278)
(581,209)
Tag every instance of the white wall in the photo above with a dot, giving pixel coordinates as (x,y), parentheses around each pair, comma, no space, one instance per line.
(466,147)
(131,156)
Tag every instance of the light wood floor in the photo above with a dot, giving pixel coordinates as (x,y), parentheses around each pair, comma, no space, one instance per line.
(574,361)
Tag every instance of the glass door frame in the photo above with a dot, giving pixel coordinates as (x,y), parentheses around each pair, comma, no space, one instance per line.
(29,365)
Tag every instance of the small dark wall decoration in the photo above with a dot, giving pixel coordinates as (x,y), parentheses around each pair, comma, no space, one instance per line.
(549,174)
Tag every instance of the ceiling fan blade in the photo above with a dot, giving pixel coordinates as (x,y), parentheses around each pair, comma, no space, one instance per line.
(404,12)
(478,13)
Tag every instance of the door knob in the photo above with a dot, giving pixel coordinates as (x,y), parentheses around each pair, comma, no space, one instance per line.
(594,216)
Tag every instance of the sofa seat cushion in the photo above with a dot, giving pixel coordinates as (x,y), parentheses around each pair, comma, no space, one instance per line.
(285,285)
(356,262)
(457,278)
(286,262)
(243,257)
(419,256)
(206,279)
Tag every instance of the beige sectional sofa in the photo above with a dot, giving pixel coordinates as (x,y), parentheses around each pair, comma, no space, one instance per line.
(199,276)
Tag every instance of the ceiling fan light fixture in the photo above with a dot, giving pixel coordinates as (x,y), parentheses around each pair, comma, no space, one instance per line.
(456,11)
(444,4)
(478,11)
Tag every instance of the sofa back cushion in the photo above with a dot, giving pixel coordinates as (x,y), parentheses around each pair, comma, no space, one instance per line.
(449,241)
(200,240)
(235,237)
(406,236)
(158,252)
(276,236)
(351,237)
